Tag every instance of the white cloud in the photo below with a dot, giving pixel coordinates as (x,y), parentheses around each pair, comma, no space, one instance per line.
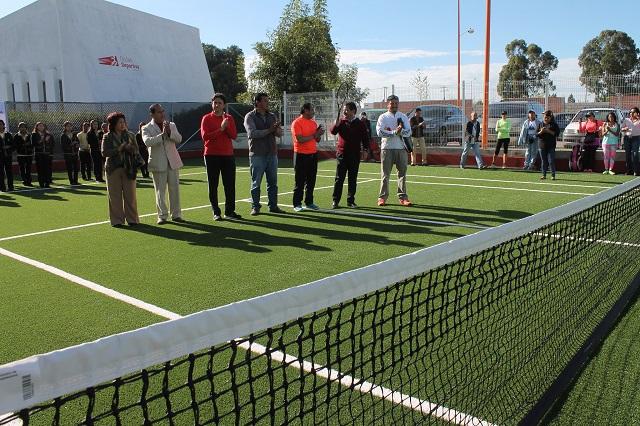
(381,56)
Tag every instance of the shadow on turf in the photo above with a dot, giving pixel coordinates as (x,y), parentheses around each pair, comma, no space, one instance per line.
(222,237)
(453,214)
(358,225)
(8,201)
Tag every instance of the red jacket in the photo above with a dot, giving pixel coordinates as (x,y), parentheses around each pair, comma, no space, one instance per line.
(216,141)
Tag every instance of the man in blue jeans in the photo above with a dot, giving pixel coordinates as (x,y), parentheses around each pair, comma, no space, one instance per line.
(262,129)
(471,141)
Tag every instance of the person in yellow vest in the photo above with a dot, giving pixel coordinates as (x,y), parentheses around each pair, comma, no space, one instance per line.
(503,130)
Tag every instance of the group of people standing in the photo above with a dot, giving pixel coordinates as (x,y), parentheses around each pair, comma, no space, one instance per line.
(81,152)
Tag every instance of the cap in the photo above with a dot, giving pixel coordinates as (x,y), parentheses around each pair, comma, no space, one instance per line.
(531,111)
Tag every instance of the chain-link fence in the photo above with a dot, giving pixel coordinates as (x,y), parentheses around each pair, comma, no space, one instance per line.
(186,115)
(567,98)
(326,111)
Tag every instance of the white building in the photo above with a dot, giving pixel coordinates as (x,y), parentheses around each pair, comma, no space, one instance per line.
(96,51)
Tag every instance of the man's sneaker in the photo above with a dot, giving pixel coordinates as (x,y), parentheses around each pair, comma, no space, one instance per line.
(298,208)
(334,205)
(611,172)
(482,167)
(276,209)
(232,215)
(405,202)
(178,219)
(313,207)
(217,217)
(553,177)
(162,221)
(352,205)
(254,212)
(381,202)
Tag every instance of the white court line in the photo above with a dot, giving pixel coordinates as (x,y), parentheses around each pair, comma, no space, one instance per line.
(85,225)
(503,188)
(90,285)
(496,180)
(422,406)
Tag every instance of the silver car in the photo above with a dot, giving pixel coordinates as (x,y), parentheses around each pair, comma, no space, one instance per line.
(517,112)
(571,135)
(443,123)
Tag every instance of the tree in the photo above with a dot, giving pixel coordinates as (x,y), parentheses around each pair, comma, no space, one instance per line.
(571,99)
(611,53)
(299,55)
(226,68)
(421,83)
(526,70)
(348,74)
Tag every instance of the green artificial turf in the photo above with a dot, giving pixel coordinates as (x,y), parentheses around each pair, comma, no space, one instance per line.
(202,264)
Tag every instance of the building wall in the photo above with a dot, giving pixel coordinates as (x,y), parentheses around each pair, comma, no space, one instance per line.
(102,52)
(31,48)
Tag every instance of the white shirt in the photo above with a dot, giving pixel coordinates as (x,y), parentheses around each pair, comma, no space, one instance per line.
(386,129)
(634,127)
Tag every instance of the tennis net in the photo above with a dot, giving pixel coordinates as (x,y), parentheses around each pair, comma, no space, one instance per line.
(486,329)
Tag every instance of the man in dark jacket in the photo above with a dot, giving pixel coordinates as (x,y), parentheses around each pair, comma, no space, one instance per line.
(352,135)
(262,129)
(6,159)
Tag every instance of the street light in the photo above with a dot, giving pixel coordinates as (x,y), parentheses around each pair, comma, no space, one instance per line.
(468,31)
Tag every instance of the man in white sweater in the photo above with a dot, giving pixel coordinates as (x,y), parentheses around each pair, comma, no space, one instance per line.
(161,137)
(392,127)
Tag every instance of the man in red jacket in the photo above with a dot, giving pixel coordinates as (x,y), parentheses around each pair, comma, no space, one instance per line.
(218,130)
(352,134)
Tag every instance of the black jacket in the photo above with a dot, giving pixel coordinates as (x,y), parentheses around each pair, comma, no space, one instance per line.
(6,146)
(23,145)
(42,145)
(70,145)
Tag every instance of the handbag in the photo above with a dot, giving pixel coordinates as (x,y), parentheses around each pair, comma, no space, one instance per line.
(408,145)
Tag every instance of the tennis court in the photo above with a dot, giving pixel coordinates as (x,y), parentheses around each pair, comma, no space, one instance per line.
(70,278)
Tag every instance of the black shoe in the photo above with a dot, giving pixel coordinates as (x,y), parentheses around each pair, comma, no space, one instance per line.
(352,205)
(254,212)
(133,224)
(334,205)
(276,210)
(232,215)
(217,217)
(178,219)
(162,221)
(117,225)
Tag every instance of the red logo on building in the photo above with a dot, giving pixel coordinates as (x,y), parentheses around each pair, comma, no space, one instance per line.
(109,60)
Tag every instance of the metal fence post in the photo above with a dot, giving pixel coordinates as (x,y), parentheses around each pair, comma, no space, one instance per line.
(285,115)
(546,95)
(464,101)
(393,89)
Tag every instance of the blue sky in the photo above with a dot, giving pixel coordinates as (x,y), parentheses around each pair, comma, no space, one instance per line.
(391,40)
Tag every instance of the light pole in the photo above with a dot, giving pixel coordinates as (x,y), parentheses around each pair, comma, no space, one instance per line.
(469,31)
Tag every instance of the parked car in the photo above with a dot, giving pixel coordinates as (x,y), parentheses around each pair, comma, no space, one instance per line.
(444,123)
(571,135)
(517,112)
(563,119)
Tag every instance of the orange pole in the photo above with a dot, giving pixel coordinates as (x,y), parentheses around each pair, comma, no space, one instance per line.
(459,104)
(485,100)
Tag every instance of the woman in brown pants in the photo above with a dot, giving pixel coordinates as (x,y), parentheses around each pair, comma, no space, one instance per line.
(120,149)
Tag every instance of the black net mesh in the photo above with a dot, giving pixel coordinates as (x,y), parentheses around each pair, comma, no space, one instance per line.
(479,339)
